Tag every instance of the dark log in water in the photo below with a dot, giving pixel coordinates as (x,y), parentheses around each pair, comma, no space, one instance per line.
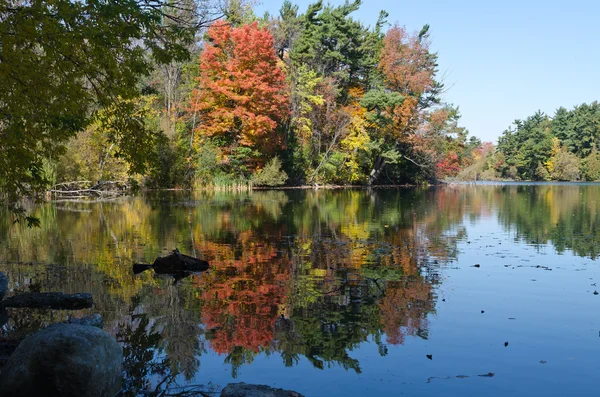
(49,300)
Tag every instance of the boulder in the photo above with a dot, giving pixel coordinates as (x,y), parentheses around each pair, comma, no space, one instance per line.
(3,285)
(247,390)
(64,360)
(93,320)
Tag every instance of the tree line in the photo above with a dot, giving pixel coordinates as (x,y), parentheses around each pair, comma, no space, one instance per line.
(543,148)
(207,94)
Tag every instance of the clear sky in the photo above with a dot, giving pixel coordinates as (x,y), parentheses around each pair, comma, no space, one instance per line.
(503,60)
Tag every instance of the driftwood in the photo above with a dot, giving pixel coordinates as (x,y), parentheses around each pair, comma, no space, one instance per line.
(83,189)
(49,300)
(174,264)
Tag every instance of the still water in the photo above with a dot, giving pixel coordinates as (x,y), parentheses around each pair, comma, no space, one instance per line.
(454,291)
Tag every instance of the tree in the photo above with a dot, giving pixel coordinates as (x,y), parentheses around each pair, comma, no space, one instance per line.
(400,107)
(63,60)
(591,166)
(527,146)
(566,166)
(240,98)
(286,29)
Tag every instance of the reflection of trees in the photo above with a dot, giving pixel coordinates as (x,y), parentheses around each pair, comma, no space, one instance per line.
(301,274)
(568,216)
(305,275)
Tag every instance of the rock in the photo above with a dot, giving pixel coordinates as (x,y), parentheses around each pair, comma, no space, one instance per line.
(176,262)
(65,360)
(7,348)
(3,285)
(246,390)
(50,300)
(94,320)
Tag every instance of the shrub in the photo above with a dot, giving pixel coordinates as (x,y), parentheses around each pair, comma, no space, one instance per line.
(566,166)
(270,175)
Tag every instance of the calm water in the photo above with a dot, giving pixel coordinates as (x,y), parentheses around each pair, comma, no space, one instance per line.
(334,293)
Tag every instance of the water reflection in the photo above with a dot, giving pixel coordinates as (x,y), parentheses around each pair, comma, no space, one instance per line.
(297,274)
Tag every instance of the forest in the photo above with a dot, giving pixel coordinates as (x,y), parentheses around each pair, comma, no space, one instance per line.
(544,148)
(206,94)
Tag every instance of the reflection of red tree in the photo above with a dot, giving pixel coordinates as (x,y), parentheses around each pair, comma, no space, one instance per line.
(404,307)
(242,295)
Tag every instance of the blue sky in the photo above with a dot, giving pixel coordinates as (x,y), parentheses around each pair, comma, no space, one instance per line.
(503,60)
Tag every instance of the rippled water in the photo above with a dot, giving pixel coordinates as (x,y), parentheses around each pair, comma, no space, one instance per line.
(415,292)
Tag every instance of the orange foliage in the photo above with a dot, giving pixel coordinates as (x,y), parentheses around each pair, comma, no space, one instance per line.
(241,93)
(406,63)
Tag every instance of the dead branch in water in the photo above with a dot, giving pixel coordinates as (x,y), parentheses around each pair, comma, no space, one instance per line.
(87,189)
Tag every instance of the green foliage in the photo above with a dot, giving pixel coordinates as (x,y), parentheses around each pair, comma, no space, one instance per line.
(270,175)
(529,144)
(591,166)
(562,148)
(542,173)
(566,166)
(61,61)
(334,44)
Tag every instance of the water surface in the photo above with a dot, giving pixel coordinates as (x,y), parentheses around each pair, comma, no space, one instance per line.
(334,293)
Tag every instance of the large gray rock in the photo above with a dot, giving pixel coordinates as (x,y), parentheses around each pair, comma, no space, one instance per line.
(64,360)
(246,390)
(3,285)
(93,320)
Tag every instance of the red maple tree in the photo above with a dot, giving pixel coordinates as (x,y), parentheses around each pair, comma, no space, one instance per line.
(241,89)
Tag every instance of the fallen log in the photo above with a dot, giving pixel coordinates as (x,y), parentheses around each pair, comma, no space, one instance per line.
(49,300)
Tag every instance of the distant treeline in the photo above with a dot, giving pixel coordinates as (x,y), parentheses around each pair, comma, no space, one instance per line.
(544,148)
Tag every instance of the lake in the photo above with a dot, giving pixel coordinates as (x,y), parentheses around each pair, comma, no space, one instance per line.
(480,290)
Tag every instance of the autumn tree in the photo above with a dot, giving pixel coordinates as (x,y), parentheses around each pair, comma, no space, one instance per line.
(398,108)
(240,98)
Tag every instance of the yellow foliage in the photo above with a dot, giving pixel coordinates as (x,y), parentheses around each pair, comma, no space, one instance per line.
(357,138)
(555,150)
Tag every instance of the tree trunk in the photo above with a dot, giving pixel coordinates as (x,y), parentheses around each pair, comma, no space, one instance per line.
(377,168)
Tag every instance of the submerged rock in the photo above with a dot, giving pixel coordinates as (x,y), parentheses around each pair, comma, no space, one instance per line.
(3,285)
(64,360)
(246,390)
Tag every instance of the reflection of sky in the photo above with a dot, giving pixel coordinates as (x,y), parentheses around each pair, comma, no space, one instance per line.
(555,320)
